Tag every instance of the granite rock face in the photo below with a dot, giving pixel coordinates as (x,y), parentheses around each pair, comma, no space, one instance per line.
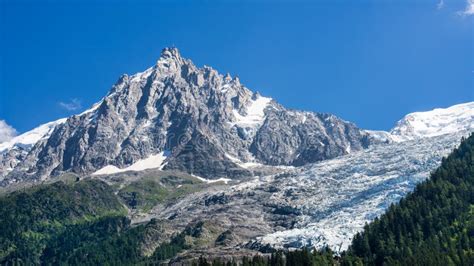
(200,121)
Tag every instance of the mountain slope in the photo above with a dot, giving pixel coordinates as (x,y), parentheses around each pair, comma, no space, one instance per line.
(432,226)
(437,122)
(204,123)
(15,150)
(30,218)
(320,204)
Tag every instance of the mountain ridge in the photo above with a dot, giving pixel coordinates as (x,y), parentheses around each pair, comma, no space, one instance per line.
(209,125)
(252,130)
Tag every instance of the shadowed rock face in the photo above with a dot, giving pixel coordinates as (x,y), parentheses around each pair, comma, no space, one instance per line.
(208,124)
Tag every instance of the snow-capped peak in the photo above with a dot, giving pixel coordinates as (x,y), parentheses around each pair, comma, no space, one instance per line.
(30,138)
(436,122)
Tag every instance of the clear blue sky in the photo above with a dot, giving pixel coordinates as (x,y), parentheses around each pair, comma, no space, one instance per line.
(369,62)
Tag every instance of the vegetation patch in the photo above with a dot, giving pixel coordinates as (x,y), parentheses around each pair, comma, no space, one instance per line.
(145,193)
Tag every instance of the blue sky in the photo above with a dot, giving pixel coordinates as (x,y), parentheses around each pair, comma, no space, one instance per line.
(369,62)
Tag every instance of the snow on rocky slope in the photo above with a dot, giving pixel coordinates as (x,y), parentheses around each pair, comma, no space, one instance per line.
(30,138)
(432,123)
(198,115)
(14,151)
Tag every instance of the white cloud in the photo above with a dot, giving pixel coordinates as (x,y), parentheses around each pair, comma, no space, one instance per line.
(7,132)
(73,105)
(469,9)
(440,4)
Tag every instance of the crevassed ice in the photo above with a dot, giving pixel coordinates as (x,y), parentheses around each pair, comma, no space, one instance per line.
(337,197)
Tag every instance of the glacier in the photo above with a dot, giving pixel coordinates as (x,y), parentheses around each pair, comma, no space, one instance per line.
(337,197)
(317,205)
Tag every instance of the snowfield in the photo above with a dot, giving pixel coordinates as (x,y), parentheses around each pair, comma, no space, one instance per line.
(154,161)
(255,113)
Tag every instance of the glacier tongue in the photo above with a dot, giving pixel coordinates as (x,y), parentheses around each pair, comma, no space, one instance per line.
(338,196)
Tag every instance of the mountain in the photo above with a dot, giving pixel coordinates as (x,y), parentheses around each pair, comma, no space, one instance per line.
(176,116)
(204,166)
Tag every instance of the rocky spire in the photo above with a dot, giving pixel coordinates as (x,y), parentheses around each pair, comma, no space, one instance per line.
(170,60)
(146,113)
(170,53)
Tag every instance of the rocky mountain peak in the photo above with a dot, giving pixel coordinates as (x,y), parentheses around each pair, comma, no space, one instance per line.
(170,53)
(177,116)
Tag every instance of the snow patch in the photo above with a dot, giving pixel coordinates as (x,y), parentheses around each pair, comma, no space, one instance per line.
(255,113)
(210,181)
(94,107)
(142,75)
(245,165)
(225,88)
(348,149)
(154,161)
(379,135)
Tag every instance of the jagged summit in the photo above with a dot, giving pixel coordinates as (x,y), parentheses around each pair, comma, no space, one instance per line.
(177,116)
(170,52)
